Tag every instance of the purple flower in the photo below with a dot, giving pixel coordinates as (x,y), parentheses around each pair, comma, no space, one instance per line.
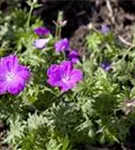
(74,56)
(64,76)
(62,45)
(105,29)
(13,76)
(40,43)
(41,31)
(106,66)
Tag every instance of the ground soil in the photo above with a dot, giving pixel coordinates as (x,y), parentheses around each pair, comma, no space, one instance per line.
(118,14)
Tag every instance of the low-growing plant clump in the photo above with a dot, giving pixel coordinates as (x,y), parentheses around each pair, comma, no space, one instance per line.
(52,97)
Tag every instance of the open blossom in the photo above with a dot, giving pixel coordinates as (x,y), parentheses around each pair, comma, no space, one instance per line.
(64,75)
(73,56)
(41,31)
(41,43)
(62,45)
(13,76)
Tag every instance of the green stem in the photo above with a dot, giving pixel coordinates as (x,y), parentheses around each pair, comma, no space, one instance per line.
(59,34)
(127,52)
(56,33)
(29,16)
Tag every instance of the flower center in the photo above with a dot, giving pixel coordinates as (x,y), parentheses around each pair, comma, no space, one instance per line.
(10,76)
(65,79)
(63,47)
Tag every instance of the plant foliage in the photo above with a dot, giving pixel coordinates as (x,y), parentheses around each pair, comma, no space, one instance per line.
(100,108)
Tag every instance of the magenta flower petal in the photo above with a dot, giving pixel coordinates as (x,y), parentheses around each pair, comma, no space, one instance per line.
(13,76)
(67,86)
(62,45)
(41,31)
(23,72)
(2,87)
(66,67)
(54,74)
(7,64)
(64,76)
(16,86)
(74,56)
(76,75)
